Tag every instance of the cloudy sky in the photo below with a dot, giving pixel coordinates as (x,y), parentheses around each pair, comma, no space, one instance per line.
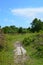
(20,12)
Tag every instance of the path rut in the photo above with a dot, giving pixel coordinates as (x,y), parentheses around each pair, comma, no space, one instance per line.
(20,55)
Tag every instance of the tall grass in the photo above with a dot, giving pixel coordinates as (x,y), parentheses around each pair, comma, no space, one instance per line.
(7,56)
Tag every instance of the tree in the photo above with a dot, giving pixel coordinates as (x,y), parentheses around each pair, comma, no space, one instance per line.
(10,29)
(28,29)
(14,29)
(6,29)
(36,25)
(0,27)
(20,30)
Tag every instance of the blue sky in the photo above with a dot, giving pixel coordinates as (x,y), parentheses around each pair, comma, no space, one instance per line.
(20,12)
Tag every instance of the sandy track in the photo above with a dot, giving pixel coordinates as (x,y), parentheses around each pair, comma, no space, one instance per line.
(19,53)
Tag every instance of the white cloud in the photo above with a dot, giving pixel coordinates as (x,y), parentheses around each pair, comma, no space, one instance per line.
(28,12)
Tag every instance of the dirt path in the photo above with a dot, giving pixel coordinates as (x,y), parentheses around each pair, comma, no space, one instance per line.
(20,53)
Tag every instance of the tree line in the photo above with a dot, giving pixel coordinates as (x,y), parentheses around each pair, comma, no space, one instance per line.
(36,26)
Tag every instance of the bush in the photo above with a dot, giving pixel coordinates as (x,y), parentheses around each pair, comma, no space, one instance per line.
(37,43)
(2,40)
(27,41)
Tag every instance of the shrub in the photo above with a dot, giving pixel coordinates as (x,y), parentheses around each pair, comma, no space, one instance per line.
(37,43)
(2,40)
(27,41)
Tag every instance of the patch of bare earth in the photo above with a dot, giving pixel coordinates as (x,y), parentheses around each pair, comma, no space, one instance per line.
(20,56)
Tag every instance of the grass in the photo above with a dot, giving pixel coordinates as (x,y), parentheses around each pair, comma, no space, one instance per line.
(33,60)
(7,57)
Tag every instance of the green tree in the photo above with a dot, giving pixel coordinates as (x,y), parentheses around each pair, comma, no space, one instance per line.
(0,27)
(14,29)
(36,25)
(6,29)
(20,30)
(10,29)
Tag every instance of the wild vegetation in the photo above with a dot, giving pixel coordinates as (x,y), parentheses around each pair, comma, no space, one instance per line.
(31,38)
(36,26)
(36,41)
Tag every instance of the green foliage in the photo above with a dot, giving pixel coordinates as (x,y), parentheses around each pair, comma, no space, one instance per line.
(20,30)
(37,43)
(10,29)
(37,25)
(27,41)
(7,56)
(2,40)
(33,42)
(28,29)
